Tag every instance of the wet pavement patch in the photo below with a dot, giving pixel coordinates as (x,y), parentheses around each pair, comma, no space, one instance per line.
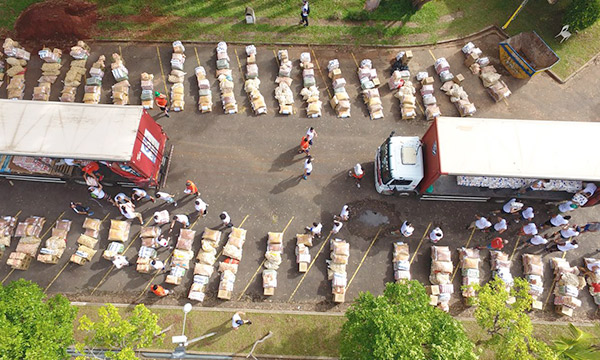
(373,218)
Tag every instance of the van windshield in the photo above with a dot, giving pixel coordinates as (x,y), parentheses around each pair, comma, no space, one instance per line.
(384,159)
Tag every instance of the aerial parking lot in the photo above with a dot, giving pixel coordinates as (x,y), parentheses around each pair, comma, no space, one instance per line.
(249,166)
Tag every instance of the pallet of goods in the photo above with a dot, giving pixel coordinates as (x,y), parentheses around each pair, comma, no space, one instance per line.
(204,267)
(7,229)
(177,77)
(147,252)
(368,84)
(50,70)
(533,269)
(336,268)
(432,110)
(87,242)
(340,101)
(401,86)
(16,58)
(303,244)
(233,252)
(182,255)
(451,86)
(29,231)
(283,91)
(225,78)
(93,84)
(76,72)
(401,263)
(272,262)
(117,235)
(567,286)
(469,265)
(252,83)
(205,103)
(441,270)
(500,266)
(56,244)
(593,278)
(310,92)
(120,90)
(480,65)
(147,96)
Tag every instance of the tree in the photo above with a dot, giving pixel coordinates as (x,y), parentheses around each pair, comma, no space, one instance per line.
(121,337)
(579,345)
(418,4)
(33,326)
(400,324)
(581,14)
(508,324)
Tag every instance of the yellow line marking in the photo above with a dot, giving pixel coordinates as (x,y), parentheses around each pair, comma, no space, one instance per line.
(420,243)
(50,228)
(18,213)
(505,101)
(121,53)
(9,274)
(354,57)
(363,258)
(433,56)
(420,107)
(468,241)
(162,72)
(309,267)
(276,58)
(320,72)
(197,57)
(515,248)
(239,64)
(124,251)
(288,224)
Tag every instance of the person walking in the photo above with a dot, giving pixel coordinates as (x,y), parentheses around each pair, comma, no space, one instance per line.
(201,207)
(315,229)
(311,133)
(161,217)
(337,226)
(565,233)
(589,227)
(191,188)
(537,240)
(556,220)
(159,290)
(157,265)
(225,219)
(237,321)
(98,193)
(528,214)
(121,198)
(129,212)
(344,214)
(501,226)
(357,173)
(481,223)
(529,229)
(182,219)
(78,208)
(304,12)
(308,167)
(496,244)
(567,206)
(168,198)
(563,246)
(138,194)
(436,235)
(407,229)
(162,102)
(304,146)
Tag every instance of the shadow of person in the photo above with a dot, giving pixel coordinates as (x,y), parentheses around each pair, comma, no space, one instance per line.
(285,159)
(286,184)
(219,330)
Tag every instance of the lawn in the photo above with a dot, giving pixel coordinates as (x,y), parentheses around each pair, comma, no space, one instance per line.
(332,22)
(314,335)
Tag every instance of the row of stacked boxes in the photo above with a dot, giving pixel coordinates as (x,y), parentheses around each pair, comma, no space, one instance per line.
(252,83)
(177,77)
(368,84)
(225,78)
(310,91)
(480,65)
(533,269)
(87,241)
(272,262)
(401,262)
(56,244)
(17,58)
(283,91)
(29,231)
(205,103)
(340,101)
(469,265)
(441,271)
(93,84)
(336,268)
(150,242)
(118,234)
(204,267)
(451,86)
(233,252)
(50,70)
(147,85)
(76,72)
(303,244)
(568,283)
(120,90)
(182,255)
(7,229)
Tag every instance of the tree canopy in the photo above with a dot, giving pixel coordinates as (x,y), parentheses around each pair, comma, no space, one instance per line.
(400,324)
(581,14)
(33,326)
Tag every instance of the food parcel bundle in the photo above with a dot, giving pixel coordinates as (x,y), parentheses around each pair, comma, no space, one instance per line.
(182,255)
(283,91)
(233,252)
(369,83)
(7,229)
(469,265)
(32,226)
(593,278)
(87,241)
(303,244)
(118,234)
(29,232)
(17,58)
(2,69)
(50,70)
(204,267)
(120,90)
(457,94)
(533,269)
(310,92)
(441,270)
(480,65)
(272,262)
(252,83)
(336,268)
(224,76)
(177,77)
(56,244)
(147,96)
(76,72)
(150,236)
(93,84)
(408,101)
(568,283)
(500,266)
(204,93)
(432,110)
(340,101)
(401,262)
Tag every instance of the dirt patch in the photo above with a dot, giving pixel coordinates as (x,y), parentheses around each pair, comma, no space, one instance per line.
(56,23)
(451,17)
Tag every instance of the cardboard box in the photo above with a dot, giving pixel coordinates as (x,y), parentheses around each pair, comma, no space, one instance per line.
(408,55)
(303,267)
(433,290)
(286,109)
(335,74)
(471,59)
(433,300)
(224,294)
(564,310)
(459,79)
(339,298)
(427,81)
(269,291)
(538,305)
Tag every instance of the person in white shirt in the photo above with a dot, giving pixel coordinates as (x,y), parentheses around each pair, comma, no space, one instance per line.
(201,206)
(182,219)
(168,198)
(436,235)
(121,198)
(344,214)
(311,133)
(304,11)
(528,213)
(481,223)
(138,194)
(163,241)
(512,206)
(357,173)
(308,167)
(315,229)
(567,206)
(406,229)
(161,217)
(501,226)
(557,220)
(120,261)
(157,264)
(97,192)
(225,219)
(537,240)
(563,246)
(236,320)
(529,229)
(337,226)
(565,233)
(128,211)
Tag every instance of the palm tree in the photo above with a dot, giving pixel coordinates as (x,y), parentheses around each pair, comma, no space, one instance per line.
(578,345)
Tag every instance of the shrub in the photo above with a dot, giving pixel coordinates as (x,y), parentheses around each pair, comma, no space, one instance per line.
(581,14)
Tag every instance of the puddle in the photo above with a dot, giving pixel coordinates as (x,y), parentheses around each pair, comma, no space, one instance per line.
(372,218)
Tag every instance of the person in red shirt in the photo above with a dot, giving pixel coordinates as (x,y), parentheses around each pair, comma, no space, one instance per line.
(191,188)
(159,290)
(161,102)
(496,244)
(304,145)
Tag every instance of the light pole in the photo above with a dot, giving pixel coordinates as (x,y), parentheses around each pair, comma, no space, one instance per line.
(186,309)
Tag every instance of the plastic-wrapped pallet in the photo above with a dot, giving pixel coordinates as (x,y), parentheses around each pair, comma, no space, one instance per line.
(252,83)
(533,269)
(182,255)
(56,244)
(567,286)
(303,244)
(17,58)
(272,262)
(7,229)
(224,76)
(204,93)
(480,65)
(50,71)
(283,92)
(228,268)
(310,92)
(441,270)
(87,242)
(177,77)
(147,96)
(340,101)
(120,90)
(401,262)
(369,83)
(204,267)
(340,251)
(593,278)
(32,226)
(93,84)
(469,264)
(76,72)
